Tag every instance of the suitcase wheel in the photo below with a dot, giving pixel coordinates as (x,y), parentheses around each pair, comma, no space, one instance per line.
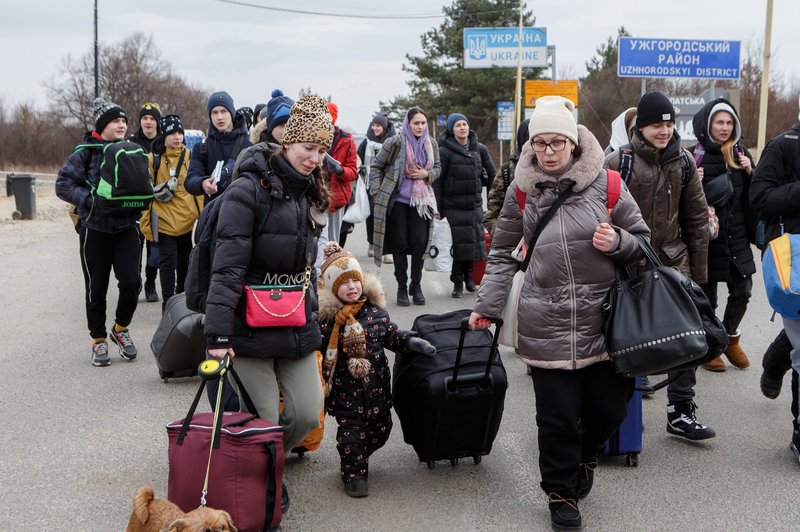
(632,460)
(454,462)
(431,463)
(476,459)
(164,376)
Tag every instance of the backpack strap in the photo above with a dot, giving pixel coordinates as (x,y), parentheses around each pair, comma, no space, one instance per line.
(156,166)
(686,168)
(237,147)
(521,197)
(505,172)
(625,162)
(613,189)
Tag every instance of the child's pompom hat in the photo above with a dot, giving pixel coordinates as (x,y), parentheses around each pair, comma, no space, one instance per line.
(339,266)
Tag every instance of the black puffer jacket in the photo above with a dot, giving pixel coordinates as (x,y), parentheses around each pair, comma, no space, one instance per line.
(458,193)
(775,190)
(277,255)
(728,191)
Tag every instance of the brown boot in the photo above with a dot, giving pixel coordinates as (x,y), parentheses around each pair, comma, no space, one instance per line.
(715,365)
(735,353)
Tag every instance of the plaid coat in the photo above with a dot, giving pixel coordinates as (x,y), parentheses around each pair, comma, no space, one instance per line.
(386,172)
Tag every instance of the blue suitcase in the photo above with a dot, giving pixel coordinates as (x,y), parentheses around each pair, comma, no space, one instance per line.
(627,439)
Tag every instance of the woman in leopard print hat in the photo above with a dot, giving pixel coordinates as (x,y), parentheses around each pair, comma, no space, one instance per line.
(269,224)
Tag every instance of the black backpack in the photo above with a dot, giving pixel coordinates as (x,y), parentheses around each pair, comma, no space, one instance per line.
(124,185)
(626,164)
(201,259)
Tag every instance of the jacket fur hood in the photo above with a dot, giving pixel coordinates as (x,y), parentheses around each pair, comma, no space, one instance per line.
(329,304)
(584,170)
(256,131)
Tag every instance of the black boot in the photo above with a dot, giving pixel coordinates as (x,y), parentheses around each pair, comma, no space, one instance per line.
(469,284)
(150,294)
(586,477)
(458,290)
(357,487)
(416,294)
(564,513)
(776,362)
(402,296)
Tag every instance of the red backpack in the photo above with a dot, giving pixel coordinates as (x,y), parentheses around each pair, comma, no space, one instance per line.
(613,190)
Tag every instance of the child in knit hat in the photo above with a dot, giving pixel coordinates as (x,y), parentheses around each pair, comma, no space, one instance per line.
(355,330)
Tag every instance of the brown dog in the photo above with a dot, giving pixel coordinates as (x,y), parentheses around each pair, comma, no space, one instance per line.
(160,515)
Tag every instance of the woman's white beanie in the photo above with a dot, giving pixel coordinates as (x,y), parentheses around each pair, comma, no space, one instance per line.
(553,114)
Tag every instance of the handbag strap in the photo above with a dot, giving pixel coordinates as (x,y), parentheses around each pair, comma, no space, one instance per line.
(649,253)
(542,223)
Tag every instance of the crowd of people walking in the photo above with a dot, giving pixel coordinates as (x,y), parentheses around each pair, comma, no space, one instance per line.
(285,175)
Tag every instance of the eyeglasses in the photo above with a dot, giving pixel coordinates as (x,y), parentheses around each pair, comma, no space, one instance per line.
(555,145)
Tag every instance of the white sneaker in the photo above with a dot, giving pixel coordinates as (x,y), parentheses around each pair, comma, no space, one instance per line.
(388,259)
(371,251)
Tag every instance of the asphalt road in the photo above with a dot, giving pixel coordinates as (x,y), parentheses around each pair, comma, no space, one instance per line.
(78,441)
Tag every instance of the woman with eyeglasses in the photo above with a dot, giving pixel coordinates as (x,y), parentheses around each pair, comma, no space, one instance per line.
(580,400)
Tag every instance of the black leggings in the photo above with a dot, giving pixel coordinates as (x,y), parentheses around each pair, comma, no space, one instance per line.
(739,291)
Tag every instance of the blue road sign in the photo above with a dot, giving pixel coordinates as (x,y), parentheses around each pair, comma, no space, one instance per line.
(488,47)
(678,58)
(441,119)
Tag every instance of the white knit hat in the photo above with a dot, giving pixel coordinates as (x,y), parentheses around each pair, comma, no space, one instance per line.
(553,114)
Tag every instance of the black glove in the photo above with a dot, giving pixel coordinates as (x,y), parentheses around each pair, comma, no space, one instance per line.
(333,166)
(420,345)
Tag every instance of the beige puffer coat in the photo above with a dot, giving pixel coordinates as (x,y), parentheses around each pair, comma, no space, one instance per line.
(560,309)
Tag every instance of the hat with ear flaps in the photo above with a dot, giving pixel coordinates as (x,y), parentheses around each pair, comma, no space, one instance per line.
(339,266)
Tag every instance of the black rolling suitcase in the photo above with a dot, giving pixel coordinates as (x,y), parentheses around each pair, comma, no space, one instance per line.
(179,343)
(450,404)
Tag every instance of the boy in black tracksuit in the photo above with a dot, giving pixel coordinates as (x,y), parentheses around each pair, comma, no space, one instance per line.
(355,329)
(107,241)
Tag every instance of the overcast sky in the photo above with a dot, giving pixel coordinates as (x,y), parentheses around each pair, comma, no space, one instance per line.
(249,51)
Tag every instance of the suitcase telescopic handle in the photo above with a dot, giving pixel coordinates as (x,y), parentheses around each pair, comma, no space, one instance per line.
(492,350)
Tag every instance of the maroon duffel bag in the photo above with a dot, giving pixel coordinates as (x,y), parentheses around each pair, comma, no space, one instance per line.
(246,463)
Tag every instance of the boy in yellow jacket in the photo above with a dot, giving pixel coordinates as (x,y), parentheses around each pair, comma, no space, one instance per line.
(172,215)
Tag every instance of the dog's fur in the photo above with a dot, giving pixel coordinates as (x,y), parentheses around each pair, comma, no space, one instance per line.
(159,515)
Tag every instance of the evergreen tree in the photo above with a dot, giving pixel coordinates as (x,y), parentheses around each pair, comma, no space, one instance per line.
(439,82)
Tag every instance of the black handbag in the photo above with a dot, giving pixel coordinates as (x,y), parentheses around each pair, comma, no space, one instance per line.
(659,321)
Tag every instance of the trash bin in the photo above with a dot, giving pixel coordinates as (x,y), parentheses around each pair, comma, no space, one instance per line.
(24,188)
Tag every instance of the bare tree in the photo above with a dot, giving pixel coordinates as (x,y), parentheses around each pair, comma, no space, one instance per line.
(131,72)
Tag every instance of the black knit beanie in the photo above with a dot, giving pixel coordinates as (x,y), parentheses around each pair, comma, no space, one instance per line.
(652,108)
(105,112)
(171,124)
(152,109)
